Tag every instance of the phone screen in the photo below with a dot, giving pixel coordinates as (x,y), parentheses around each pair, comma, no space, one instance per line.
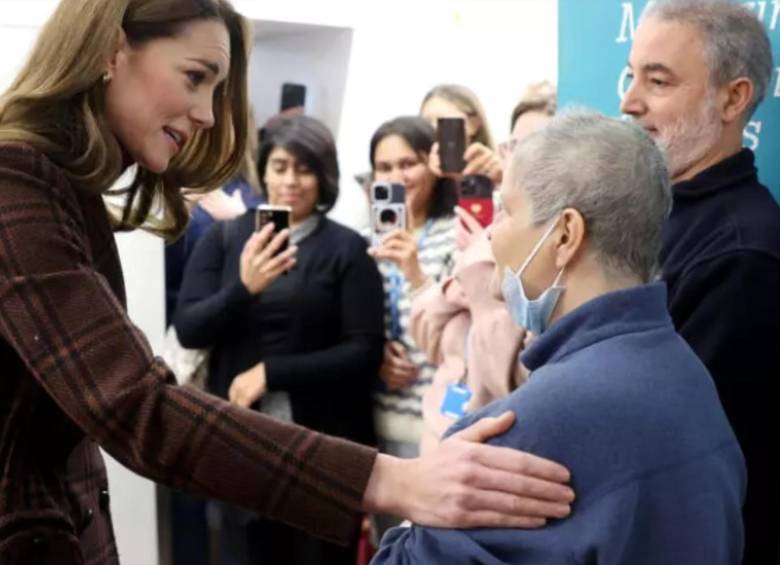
(279,216)
(293,97)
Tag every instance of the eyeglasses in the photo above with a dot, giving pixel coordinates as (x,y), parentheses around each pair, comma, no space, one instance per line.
(506,148)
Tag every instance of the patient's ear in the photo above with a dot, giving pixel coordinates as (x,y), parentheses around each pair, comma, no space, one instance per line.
(570,237)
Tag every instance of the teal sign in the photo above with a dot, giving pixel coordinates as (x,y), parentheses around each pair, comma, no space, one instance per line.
(595,40)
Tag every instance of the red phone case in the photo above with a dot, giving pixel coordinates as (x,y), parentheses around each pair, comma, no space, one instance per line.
(480,207)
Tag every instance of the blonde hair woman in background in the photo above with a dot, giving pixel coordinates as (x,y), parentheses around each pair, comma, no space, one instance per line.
(457,101)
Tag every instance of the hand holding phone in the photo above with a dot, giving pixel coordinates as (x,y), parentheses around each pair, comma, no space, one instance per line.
(278,216)
(481,160)
(266,255)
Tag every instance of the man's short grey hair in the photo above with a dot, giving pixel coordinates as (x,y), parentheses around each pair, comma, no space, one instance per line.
(612,173)
(736,44)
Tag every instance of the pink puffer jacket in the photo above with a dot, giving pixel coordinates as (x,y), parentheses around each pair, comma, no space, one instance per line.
(443,316)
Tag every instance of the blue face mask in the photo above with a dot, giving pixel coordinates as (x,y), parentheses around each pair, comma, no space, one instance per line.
(533,315)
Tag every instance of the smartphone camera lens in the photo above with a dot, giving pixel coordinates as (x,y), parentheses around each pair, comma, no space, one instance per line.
(381,192)
(388,217)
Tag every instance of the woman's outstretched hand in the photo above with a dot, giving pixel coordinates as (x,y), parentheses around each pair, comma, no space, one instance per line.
(463,483)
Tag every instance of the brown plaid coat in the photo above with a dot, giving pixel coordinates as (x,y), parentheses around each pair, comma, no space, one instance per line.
(75,373)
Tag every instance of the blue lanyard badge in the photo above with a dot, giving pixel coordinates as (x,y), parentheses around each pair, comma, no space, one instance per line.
(458,394)
(396,283)
(455,401)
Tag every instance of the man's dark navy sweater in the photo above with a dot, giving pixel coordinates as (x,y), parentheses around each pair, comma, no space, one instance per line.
(620,399)
(721,262)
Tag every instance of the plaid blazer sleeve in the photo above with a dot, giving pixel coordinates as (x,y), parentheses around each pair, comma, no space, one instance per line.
(63,319)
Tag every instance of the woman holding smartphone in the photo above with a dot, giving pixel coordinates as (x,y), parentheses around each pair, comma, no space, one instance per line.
(304,345)
(410,260)
(457,101)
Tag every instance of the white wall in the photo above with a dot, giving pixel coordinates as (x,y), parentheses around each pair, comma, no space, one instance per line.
(18,29)
(314,56)
(133,498)
(400,50)
(496,47)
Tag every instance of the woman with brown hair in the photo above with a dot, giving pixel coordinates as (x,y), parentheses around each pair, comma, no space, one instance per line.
(162,84)
(302,347)
(457,101)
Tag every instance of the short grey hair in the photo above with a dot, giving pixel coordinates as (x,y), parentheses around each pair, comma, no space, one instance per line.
(736,45)
(612,173)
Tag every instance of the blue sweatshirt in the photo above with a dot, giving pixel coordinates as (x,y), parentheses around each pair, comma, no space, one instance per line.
(620,399)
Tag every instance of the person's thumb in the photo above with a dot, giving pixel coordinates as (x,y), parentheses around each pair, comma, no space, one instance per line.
(487,428)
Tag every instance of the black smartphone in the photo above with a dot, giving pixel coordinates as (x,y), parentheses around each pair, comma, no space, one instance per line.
(451,133)
(293,96)
(279,216)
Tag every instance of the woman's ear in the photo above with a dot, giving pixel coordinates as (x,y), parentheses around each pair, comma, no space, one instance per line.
(570,238)
(118,56)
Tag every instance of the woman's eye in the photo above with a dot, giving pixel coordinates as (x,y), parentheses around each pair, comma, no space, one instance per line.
(195,77)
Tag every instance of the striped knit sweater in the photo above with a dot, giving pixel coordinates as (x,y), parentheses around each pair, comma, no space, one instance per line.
(398,414)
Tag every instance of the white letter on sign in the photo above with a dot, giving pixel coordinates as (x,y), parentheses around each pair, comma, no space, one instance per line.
(627,25)
(751,134)
(777,85)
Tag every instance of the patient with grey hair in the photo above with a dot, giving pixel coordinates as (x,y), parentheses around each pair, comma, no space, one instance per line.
(614,394)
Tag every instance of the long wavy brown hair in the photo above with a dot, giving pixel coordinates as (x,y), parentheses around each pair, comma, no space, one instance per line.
(57,104)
